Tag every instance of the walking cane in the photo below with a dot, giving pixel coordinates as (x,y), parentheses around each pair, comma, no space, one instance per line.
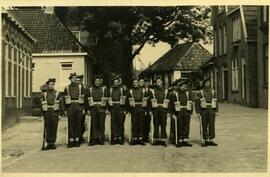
(169,123)
(175,129)
(110,128)
(152,128)
(200,122)
(67,136)
(43,136)
(89,128)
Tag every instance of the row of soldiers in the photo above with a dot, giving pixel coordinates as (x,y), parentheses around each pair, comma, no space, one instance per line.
(149,109)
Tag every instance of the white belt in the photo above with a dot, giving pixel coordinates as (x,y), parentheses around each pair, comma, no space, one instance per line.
(160,104)
(116,102)
(50,106)
(138,103)
(74,101)
(97,102)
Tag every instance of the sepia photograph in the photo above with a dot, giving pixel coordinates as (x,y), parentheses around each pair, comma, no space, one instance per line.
(134,89)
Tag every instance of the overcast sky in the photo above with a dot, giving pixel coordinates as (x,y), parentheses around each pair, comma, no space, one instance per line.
(150,54)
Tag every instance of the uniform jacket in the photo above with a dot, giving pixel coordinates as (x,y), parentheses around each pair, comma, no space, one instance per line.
(208,94)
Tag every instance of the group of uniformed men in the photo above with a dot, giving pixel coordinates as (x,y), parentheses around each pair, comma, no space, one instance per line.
(149,109)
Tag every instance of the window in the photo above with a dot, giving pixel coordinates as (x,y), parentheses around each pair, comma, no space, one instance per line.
(236,29)
(25,69)
(235,86)
(224,40)
(266,64)
(66,66)
(215,43)
(76,34)
(220,52)
(29,84)
(12,65)
(66,69)
(265,14)
(7,80)
(33,66)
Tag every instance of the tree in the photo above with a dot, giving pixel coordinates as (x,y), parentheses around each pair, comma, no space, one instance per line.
(123,31)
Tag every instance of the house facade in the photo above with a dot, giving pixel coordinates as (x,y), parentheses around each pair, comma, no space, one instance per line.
(236,53)
(16,73)
(262,55)
(57,53)
(183,61)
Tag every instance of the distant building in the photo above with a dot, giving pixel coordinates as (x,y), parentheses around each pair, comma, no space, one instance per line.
(182,61)
(16,73)
(241,53)
(57,53)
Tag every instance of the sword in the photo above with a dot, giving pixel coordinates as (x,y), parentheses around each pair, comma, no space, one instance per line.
(43,136)
(175,128)
(89,127)
(130,131)
(67,136)
(152,128)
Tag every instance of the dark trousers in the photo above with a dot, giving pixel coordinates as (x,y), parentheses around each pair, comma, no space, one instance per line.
(51,124)
(97,123)
(74,113)
(83,125)
(117,121)
(183,121)
(208,123)
(147,124)
(137,120)
(160,120)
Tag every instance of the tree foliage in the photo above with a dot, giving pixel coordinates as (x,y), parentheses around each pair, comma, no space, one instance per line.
(137,26)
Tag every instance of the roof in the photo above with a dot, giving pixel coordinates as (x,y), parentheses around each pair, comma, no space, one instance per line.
(20,27)
(52,35)
(186,56)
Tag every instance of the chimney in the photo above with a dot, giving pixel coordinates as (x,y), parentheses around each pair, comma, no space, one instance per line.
(49,9)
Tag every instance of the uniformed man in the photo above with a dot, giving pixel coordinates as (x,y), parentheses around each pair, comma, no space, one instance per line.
(74,106)
(182,110)
(79,80)
(118,110)
(97,107)
(124,87)
(50,109)
(159,108)
(206,109)
(147,116)
(137,104)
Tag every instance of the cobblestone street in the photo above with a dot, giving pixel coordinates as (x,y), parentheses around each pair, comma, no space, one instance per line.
(241,134)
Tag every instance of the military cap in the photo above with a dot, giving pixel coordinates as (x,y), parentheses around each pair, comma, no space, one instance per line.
(158,78)
(96,77)
(134,78)
(146,79)
(51,80)
(71,75)
(80,76)
(115,77)
(101,76)
(205,80)
(182,81)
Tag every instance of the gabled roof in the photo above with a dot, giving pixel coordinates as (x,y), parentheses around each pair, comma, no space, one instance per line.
(186,56)
(4,13)
(52,35)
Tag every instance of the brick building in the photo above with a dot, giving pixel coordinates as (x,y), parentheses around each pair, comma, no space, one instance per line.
(16,73)
(236,42)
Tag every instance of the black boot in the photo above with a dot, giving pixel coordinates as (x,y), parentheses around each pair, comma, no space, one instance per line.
(185,143)
(211,143)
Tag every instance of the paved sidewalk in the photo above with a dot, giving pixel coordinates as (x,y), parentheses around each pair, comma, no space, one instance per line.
(241,134)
